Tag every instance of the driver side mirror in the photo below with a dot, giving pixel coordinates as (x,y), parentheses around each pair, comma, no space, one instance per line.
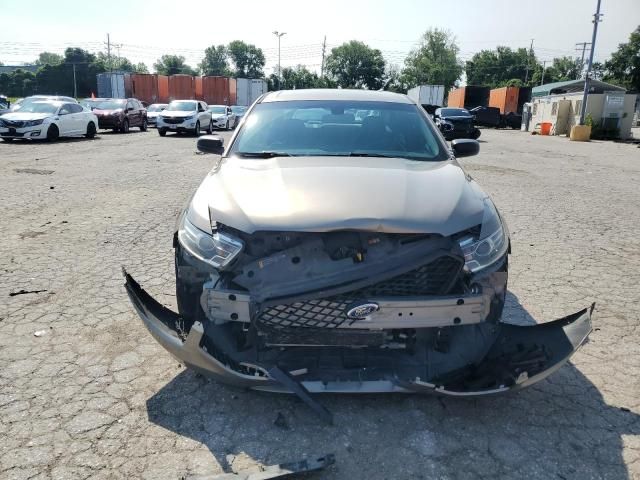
(465,147)
(211,144)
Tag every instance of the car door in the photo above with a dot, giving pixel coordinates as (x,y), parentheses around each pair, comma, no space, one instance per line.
(204,115)
(66,121)
(130,113)
(79,119)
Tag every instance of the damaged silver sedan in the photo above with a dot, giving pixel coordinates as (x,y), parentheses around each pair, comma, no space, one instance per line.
(338,246)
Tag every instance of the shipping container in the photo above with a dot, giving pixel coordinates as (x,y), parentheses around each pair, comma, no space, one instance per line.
(111,85)
(427,95)
(181,87)
(468,97)
(142,86)
(249,90)
(163,89)
(524,96)
(217,90)
(505,98)
(233,91)
(198,86)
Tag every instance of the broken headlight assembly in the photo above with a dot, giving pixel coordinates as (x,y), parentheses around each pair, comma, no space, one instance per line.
(490,245)
(216,248)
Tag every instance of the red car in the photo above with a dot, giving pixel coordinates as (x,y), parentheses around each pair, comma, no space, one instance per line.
(120,114)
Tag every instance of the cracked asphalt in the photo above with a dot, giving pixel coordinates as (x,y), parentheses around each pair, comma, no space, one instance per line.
(85,392)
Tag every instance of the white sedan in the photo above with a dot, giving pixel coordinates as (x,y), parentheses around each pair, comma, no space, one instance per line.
(222,117)
(48,120)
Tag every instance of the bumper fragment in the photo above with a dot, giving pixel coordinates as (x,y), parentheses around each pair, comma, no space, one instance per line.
(518,357)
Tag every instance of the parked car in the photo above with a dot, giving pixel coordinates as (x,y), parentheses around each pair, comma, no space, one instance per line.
(239,111)
(39,98)
(182,116)
(48,120)
(456,123)
(153,111)
(90,103)
(487,116)
(120,114)
(223,117)
(335,255)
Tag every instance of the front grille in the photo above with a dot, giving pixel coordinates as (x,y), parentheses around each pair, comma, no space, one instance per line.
(14,123)
(173,120)
(434,278)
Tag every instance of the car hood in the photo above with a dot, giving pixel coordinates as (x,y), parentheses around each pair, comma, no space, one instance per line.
(100,112)
(457,117)
(153,114)
(216,116)
(177,113)
(25,116)
(331,193)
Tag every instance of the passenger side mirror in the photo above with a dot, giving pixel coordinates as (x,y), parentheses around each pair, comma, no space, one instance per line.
(465,147)
(211,144)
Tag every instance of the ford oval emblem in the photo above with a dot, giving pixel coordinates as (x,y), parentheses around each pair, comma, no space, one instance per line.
(362,311)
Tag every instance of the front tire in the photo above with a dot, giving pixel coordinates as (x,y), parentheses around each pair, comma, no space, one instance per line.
(91,130)
(210,128)
(196,132)
(53,133)
(227,125)
(125,126)
(162,132)
(143,127)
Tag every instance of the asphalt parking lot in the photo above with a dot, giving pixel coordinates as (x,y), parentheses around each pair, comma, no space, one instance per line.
(85,392)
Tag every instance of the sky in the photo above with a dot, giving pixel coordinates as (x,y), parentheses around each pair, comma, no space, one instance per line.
(142,31)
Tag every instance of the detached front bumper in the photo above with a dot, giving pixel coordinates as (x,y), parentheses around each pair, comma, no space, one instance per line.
(512,356)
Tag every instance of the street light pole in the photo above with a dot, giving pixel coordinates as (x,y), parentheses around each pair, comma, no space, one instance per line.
(279,35)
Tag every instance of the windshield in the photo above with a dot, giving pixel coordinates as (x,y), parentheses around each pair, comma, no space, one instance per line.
(452,112)
(38,107)
(218,109)
(156,107)
(237,109)
(4,103)
(338,128)
(182,106)
(110,104)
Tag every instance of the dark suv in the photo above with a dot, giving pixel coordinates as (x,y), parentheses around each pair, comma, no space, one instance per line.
(456,123)
(120,114)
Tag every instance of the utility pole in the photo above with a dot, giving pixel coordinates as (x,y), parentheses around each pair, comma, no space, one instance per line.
(109,53)
(526,75)
(324,47)
(596,20)
(75,86)
(544,67)
(279,35)
(584,47)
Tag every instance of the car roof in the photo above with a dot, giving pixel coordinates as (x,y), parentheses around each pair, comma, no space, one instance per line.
(330,94)
(217,106)
(56,103)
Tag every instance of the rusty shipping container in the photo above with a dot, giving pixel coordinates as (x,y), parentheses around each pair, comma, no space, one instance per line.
(142,86)
(219,90)
(456,98)
(198,86)
(505,98)
(163,89)
(181,87)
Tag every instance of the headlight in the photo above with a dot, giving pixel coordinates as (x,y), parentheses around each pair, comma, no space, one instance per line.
(490,245)
(218,250)
(33,123)
(190,117)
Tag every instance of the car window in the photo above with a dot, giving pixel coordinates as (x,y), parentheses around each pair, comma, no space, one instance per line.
(217,109)
(130,104)
(66,109)
(75,108)
(333,128)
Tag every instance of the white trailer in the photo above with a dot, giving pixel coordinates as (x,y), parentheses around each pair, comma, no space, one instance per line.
(249,89)
(427,95)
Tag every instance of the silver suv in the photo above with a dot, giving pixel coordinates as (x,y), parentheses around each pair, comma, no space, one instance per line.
(184,116)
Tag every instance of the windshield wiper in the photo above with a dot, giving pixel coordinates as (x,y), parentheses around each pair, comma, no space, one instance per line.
(366,154)
(263,154)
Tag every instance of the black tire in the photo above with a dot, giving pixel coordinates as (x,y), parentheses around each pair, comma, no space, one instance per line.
(125,126)
(162,132)
(143,127)
(53,133)
(210,128)
(196,132)
(227,125)
(91,130)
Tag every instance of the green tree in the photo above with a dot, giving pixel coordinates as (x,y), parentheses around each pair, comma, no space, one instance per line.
(173,65)
(496,68)
(48,58)
(394,81)
(434,61)
(19,83)
(59,79)
(248,60)
(356,65)
(623,68)
(295,78)
(215,61)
